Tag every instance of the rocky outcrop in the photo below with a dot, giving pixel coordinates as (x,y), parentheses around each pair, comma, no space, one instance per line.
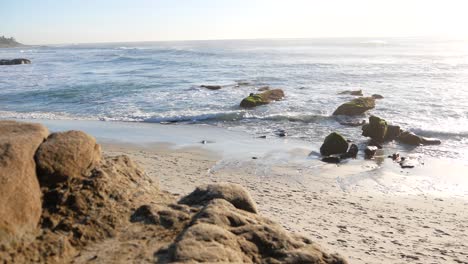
(370,152)
(222,233)
(334,144)
(266,97)
(110,211)
(393,132)
(15,62)
(377,96)
(66,155)
(211,87)
(410,138)
(376,129)
(356,106)
(355,93)
(20,195)
(232,193)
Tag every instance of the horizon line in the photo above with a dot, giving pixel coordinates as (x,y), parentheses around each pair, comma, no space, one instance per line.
(254,39)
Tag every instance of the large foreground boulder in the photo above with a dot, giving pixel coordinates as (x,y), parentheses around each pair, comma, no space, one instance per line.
(334,144)
(66,155)
(356,106)
(20,195)
(15,62)
(221,233)
(266,97)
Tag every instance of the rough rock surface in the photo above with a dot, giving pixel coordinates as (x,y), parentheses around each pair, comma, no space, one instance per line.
(117,214)
(15,62)
(221,233)
(232,193)
(393,132)
(66,155)
(266,97)
(334,144)
(370,152)
(410,138)
(20,195)
(356,106)
(376,129)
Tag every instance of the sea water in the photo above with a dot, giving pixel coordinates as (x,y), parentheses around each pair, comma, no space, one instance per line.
(424,83)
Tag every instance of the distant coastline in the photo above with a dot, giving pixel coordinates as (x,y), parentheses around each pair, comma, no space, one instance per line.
(10,42)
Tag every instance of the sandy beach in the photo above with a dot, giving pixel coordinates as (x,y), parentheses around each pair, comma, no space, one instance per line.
(369,211)
(366,226)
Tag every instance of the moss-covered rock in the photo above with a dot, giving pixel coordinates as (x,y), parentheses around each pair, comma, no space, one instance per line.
(356,106)
(376,129)
(334,144)
(266,97)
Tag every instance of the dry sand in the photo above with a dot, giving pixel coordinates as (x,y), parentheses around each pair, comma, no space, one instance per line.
(351,209)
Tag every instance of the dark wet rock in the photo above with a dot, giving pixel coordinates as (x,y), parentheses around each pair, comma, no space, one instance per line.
(355,93)
(206,142)
(376,129)
(211,87)
(281,133)
(353,151)
(266,97)
(264,88)
(334,144)
(15,62)
(393,132)
(356,106)
(377,96)
(430,141)
(395,156)
(262,137)
(410,138)
(331,159)
(375,144)
(370,151)
(408,163)
(353,123)
(232,193)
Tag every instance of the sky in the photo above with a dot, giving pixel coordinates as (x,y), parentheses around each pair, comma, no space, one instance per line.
(89,21)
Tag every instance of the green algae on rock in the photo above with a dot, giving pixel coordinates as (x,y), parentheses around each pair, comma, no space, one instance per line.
(376,129)
(266,97)
(356,106)
(334,144)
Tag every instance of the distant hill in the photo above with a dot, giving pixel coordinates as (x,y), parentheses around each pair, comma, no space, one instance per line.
(9,42)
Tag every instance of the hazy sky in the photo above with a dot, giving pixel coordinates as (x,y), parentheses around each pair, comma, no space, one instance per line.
(84,21)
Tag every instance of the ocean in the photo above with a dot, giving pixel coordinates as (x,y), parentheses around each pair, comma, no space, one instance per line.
(424,83)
